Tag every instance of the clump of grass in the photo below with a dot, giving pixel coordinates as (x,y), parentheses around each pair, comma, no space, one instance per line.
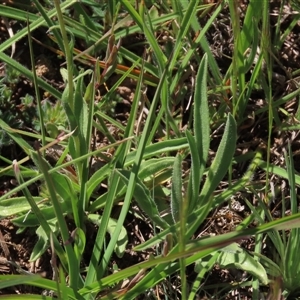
(144,164)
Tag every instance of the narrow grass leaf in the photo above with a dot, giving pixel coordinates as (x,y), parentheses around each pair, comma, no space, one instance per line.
(129,130)
(14,280)
(95,180)
(253,49)
(291,267)
(58,168)
(191,52)
(17,205)
(202,247)
(83,115)
(73,268)
(195,178)
(36,22)
(39,215)
(202,267)
(37,93)
(182,33)
(16,137)
(134,172)
(96,269)
(179,214)
(16,14)
(149,32)
(37,281)
(49,22)
(121,244)
(27,73)
(158,148)
(26,297)
(176,195)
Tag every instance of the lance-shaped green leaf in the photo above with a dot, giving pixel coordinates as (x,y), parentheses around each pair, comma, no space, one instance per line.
(199,145)
(233,256)
(201,114)
(222,161)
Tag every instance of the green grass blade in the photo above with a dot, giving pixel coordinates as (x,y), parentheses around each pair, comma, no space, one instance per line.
(202,247)
(53,183)
(291,268)
(95,271)
(50,23)
(37,281)
(145,201)
(184,27)
(39,21)
(37,94)
(195,175)
(27,73)
(176,194)
(190,53)
(40,216)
